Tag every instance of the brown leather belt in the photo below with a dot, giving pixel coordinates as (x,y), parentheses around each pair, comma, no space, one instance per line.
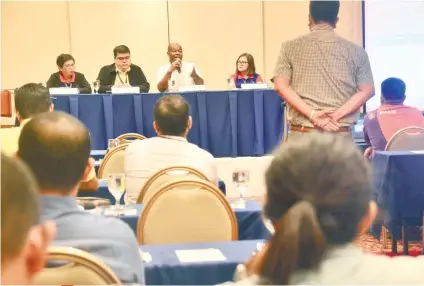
(305,129)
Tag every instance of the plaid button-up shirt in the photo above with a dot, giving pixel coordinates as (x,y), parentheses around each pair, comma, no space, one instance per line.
(324,69)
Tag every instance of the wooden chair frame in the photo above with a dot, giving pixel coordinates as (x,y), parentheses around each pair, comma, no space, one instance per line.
(150,181)
(79,257)
(401,132)
(124,137)
(107,158)
(196,183)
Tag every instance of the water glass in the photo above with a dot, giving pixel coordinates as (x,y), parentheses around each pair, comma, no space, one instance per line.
(116,186)
(96,86)
(241,181)
(112,143)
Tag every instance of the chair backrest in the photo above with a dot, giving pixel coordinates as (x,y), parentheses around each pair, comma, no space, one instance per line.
(151,187)
(113,162)
(407,139)
(129,137)
(81,268)
(6,103)
(187,211)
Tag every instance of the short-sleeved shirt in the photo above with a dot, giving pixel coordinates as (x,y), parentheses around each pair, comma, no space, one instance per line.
(9,138)
(143,158)
(109,239)
(382,123)
(324,69)
(181,79)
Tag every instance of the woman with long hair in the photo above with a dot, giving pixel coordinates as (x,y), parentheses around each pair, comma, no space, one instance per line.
(319,201)
(245,71)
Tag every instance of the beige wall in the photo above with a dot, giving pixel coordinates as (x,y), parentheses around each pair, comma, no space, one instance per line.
(212,33)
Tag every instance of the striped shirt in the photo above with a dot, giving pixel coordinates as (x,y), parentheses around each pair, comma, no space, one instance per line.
(324,69)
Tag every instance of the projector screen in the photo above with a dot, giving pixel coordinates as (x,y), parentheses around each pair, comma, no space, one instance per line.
(394,40)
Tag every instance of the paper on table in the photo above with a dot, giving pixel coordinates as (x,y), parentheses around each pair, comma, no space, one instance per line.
(418,152)
(200,255)
(147,257)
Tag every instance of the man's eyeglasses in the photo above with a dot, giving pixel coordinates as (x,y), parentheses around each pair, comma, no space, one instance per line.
(242,63)
(124,58)
(68,65)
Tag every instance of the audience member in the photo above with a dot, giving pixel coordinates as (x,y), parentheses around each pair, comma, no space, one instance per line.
(32,99)
(390,117)
(317,214)
(177,74)
(56,146)
(171,148)
(122,73)
(24,243)
(67,76)
(324,78)
(245,71)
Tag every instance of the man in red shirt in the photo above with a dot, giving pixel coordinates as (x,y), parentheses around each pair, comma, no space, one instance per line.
(390,117)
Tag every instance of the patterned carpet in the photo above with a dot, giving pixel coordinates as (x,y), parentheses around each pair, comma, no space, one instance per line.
(370,244)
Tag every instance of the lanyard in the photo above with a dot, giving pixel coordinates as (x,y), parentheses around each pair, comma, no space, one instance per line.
(70,84)
(120,79)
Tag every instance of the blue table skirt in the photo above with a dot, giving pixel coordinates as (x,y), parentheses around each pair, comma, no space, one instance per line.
(398,188)
(226,123)
(250,223)
(166,269)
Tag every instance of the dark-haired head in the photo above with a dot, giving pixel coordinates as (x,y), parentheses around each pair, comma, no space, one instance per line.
(66,64)
(32,99)
(122,57)
(172,116)
(318,196)
(246,63)
(23,241)
(324,12)
(393,91)
(56,147)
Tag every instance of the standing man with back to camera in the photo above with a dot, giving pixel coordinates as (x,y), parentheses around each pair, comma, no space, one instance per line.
(324,78)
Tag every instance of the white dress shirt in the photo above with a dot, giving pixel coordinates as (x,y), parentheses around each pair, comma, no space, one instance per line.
(181,79)
(144,158)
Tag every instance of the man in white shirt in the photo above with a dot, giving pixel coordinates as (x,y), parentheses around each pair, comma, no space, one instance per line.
(146,157)
(177,74)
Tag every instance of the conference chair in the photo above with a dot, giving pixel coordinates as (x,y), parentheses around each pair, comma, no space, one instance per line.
(407,139)
(80,268)
(129,138)
(153,184)
(113,162)
(6,103)
(187,211)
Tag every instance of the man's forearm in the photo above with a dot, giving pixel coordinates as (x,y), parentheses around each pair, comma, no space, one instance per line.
(354,103)
(294,100)
(198,80)
(163,83)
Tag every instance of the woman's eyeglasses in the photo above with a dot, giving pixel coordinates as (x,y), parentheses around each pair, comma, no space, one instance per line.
(242,63)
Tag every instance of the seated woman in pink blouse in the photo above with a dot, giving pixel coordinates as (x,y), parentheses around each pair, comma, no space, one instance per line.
(245,71)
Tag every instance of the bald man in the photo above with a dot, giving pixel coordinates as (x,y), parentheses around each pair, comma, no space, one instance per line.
(177,74)
(56,147)
(23,241)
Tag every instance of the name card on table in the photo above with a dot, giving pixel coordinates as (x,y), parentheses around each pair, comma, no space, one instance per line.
(254,86)
(200,255)
(192,88)
(125,90)
(63,90)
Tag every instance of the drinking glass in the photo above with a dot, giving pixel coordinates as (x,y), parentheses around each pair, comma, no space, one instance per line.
(112,143)
(241,181)
(96,86)
(116,186)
